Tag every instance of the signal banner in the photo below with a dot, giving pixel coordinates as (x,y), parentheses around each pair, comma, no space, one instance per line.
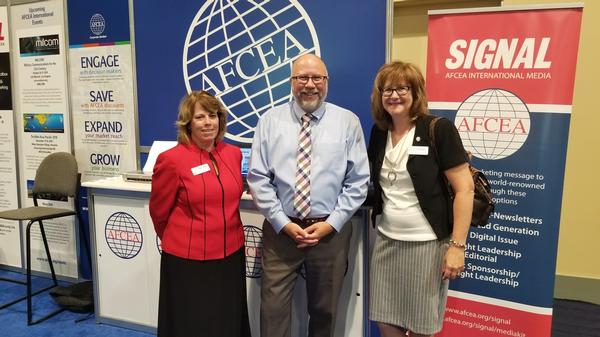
(10,249)
(102,88)
(508,87)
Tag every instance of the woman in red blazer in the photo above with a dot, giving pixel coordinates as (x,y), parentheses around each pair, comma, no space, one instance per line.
(194,205)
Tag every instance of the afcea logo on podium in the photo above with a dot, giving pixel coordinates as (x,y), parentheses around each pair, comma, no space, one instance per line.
(123,235)
(253,251)
(242,52)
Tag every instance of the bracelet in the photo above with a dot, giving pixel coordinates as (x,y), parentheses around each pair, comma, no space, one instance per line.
(457,244)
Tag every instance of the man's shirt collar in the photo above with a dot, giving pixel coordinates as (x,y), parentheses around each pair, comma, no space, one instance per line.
(318,114)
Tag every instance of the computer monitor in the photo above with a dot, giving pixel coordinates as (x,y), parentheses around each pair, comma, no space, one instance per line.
(245,161)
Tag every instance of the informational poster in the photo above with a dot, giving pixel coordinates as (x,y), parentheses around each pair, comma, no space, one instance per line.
(10,249)
(42,119)
(508,88)
(102,88)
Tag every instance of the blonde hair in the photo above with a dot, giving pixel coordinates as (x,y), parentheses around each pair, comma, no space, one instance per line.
(186,112)
(395,73)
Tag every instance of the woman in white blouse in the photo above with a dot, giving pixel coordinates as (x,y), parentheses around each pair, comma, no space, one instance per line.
(422,231)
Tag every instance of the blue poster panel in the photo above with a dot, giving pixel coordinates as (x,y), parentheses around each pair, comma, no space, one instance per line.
(98,22)
(241,51)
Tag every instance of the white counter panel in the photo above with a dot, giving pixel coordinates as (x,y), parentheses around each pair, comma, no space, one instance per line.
(126,262)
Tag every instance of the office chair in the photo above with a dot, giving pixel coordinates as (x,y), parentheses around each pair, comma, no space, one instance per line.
(56,178)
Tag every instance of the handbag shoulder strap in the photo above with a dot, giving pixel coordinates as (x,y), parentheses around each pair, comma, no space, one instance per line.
(432,123)
(444,180)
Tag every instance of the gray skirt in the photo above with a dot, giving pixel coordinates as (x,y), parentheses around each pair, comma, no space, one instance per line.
(406,286)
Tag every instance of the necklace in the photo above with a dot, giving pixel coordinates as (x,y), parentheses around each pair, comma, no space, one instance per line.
(394,163)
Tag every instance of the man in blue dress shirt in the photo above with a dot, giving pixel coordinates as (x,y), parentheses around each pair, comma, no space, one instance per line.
(316,234)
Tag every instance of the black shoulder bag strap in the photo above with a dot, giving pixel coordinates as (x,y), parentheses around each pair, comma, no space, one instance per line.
(444,181)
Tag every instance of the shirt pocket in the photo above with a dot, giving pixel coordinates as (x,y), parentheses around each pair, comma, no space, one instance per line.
(332,154)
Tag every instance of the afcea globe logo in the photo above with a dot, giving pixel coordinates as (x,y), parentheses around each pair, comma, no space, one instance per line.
(253,245)
(123,235)
(97,24)
(493,123)
(242,52)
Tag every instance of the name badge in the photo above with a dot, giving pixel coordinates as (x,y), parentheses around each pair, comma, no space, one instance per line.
(200,169)
(418,150)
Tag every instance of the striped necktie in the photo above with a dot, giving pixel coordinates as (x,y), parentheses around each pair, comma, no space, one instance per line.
(302,194)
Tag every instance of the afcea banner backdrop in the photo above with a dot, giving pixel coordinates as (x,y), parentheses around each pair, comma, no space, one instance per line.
(43,119)
(505,78)
(10,248)
(242,51)
(102,88)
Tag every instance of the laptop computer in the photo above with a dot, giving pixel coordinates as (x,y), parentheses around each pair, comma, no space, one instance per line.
(142,176)
(145,175)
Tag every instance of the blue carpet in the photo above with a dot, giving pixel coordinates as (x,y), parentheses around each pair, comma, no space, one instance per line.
(13,320)
(571,318)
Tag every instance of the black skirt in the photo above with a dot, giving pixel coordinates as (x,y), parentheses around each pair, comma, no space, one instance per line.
(203,298)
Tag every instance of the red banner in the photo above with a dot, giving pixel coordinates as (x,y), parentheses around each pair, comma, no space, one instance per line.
(514,50)
(505,78)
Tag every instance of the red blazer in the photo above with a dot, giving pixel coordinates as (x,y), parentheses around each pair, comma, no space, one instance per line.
(195,211)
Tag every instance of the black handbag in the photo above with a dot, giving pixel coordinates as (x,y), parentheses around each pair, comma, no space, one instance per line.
(483,202)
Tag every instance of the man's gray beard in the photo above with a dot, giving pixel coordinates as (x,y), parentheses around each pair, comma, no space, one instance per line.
(310,107)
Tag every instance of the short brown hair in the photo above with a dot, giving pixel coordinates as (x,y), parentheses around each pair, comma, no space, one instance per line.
(209,103)
(396,72)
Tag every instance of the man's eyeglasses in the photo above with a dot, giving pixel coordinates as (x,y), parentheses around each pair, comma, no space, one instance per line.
(400,91)
(304,79)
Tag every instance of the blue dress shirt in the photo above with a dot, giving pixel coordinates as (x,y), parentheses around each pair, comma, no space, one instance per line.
(339,166)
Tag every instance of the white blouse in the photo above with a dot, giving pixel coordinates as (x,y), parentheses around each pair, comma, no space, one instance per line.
(402,217)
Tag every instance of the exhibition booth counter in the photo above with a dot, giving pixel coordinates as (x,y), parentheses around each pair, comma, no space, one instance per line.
(126,261)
